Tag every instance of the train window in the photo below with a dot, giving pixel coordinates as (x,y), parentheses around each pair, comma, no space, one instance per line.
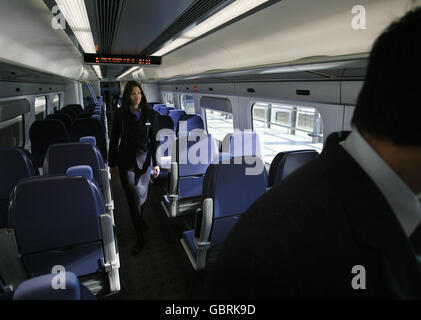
(285,128)
(168,99)
(187,103)
(56,102)
(219,123)
(12,132)
(40,108)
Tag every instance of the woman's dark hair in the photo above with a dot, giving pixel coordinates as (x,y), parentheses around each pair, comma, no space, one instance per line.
(389,104)
(126,101)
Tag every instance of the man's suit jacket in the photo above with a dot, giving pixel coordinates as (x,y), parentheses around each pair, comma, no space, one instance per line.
(129,136)
(303,238)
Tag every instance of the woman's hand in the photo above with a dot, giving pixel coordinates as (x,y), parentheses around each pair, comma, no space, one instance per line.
(156,171)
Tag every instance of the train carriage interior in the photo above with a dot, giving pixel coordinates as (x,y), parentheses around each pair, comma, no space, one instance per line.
(245,84)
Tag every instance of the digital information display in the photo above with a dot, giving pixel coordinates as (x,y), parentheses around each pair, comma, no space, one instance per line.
(92,58)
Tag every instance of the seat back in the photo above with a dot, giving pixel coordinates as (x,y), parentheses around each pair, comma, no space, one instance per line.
(40,288)
(42,134)
(164,111)
(156,107)
(165,122)
(15,164)
(90,127)
(189,122)
(57,222)
(175,115)
(86,114)
(193,155)
(70,112)
(292,161)
(242,144)
(152,104)
(233,191)
(62,156)
(76,106)
(65,118)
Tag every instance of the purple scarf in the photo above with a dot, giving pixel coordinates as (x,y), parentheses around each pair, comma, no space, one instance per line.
(135,113)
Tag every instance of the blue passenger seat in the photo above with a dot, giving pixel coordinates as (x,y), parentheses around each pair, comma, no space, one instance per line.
(164,111)
(287,162)
(62,221)
(41,288)
(72,113)
(90,127)
(166,137)
(62,156)
(228,191)
(65,118)
(75,106)
(43,133)
(187,174)
(189,122)
(15,164)
(175,115)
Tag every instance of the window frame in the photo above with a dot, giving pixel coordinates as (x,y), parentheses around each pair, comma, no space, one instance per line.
(59,101)
(182,107)
(310,134)
(46,107)
(166,95)
(10,122)
(206,120)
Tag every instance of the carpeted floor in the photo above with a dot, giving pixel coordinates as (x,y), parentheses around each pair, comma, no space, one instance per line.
(161,270)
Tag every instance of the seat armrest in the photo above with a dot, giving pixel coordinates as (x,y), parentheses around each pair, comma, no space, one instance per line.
(206,223)
(111,256)
(12,270)
(174,179)
(106,189)
(198,222)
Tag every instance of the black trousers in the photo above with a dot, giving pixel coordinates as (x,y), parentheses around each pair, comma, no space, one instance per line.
(136,189)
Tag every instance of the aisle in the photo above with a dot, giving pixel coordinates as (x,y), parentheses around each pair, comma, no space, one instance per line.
(161,270)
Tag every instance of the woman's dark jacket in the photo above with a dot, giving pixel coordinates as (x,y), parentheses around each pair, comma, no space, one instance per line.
(134,136)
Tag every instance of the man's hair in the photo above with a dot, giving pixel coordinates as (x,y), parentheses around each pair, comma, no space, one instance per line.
(389,104)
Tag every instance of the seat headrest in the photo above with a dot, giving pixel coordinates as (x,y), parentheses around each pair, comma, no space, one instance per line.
(82,170)
(40,288)
(164,110)
(242,143)
(176,111)
(293,161)
(88,139)
(15,164)
(48,129)
(189,122)
(164,122)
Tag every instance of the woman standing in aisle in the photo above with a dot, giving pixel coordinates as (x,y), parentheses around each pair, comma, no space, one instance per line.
(133,148)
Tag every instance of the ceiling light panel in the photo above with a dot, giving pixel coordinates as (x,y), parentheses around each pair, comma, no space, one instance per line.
(128,71)
(230,12)
(74,11)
